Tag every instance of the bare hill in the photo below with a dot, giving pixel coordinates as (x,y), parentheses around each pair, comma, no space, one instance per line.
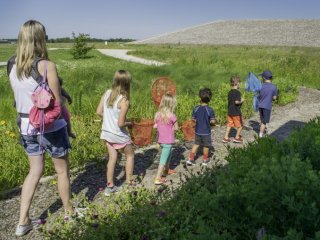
(301,32)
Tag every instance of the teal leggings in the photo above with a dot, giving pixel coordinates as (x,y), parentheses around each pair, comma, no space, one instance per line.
(166,150)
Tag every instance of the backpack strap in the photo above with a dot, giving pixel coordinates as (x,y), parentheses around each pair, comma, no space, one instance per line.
(34,70)
(10,64)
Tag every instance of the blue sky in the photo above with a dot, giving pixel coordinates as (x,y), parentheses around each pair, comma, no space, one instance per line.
(139,19)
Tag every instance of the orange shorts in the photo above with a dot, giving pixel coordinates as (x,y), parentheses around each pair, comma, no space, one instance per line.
(234,121)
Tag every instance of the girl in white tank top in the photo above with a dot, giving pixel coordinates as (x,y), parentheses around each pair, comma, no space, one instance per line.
(113,108)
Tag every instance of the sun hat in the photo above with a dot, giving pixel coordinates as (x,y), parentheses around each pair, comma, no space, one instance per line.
(267,74)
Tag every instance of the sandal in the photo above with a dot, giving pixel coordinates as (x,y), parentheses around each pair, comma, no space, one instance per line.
(169,172)
(160,181)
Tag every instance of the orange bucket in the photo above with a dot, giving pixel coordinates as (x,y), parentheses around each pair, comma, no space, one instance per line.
(141,132)
(162,86)
(188,129)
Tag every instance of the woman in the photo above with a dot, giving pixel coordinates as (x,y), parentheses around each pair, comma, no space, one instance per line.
(24,69)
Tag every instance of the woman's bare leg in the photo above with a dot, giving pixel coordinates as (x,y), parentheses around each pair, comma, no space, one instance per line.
(29,186)
(62,168)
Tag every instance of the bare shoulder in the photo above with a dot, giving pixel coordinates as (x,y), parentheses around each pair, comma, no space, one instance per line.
(123,103)
(51,66)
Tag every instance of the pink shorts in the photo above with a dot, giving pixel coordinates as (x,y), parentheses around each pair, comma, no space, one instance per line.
(118,145)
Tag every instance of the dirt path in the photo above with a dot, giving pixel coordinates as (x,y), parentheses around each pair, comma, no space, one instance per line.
(88,181)
(123,54)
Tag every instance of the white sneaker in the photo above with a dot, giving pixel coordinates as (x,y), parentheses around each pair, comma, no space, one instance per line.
(77,213)
(205,162)
(24,229)
(190,162)
(109,190)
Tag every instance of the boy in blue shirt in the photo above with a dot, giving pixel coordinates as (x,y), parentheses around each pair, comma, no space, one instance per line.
(268,93)
(204,117)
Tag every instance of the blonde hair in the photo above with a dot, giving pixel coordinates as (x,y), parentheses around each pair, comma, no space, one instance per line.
(120,86)
(167,105)
(31,44)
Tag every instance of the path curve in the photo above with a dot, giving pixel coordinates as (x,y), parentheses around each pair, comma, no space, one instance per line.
(123,54)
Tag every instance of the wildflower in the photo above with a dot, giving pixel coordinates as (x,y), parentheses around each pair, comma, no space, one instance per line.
(7,132)
(41,221)
(2,122)
(12,135)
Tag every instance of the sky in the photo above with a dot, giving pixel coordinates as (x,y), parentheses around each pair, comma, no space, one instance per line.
(140,19)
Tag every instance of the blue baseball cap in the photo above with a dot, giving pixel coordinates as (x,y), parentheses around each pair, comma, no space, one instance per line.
(267,74)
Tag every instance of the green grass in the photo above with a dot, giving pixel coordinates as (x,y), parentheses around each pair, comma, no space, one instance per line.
(191,67)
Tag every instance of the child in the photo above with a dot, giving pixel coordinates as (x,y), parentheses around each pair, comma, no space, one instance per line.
(268,93)
(113,107)
(204,117)
(64,110)
(165,122)
(234,118)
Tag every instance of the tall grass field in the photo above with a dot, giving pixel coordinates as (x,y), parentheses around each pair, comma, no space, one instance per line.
(191,67)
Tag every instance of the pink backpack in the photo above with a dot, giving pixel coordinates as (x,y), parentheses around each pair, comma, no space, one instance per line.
(45,109)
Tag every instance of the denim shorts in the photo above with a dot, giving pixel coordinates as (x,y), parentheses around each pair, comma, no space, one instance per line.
(56,144)
(203,140)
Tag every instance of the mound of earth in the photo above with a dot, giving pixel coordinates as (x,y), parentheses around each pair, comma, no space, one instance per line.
(298,32)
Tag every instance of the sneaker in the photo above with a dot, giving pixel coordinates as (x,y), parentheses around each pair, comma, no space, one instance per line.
(109,190)
(169,172)
(238,140)
(24,229)
(160,181)
(205,162)
(190,162)
(77,213)
(226,140)
(80,212)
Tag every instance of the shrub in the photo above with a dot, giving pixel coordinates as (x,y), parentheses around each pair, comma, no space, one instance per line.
(80,48)
(265,186)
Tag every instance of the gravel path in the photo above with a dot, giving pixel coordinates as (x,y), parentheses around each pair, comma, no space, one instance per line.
(88,181)
(122,54)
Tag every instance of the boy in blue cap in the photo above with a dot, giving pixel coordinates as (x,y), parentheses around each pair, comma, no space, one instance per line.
(268,93)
